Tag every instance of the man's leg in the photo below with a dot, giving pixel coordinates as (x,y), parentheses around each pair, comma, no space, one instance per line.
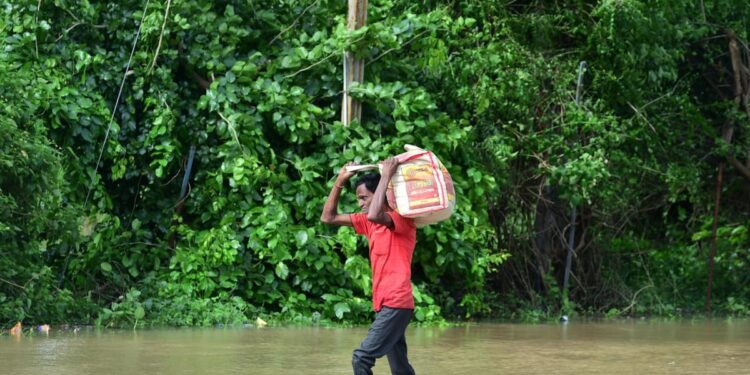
(387,330)
(398,360)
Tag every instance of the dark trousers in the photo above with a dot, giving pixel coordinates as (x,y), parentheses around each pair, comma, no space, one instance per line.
(385,337)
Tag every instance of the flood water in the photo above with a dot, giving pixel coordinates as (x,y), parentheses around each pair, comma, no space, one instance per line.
(623,347)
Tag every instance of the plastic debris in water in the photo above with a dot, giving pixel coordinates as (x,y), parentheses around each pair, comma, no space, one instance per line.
(260,323)
(44,328)
(16,330)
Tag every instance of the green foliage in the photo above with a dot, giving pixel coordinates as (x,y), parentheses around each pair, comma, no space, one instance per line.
(260,103)
(256,89)
(126,310)
(38,221)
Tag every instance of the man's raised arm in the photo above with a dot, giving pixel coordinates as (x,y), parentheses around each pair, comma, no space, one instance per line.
(377,212)
(330,213)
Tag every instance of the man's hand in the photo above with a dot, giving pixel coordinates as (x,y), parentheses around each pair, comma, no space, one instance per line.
(389,167)
(345,175)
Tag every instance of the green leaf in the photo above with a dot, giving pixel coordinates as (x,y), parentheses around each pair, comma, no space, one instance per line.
(419,314)
(301,237)
(403,127)
(84,102)
(282,270)
(106,267)
(139,313)
(341,308)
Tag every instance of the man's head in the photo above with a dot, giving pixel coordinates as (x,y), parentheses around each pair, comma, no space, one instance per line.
(365,188)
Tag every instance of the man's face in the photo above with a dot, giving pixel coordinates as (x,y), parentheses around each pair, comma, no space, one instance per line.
(364,197)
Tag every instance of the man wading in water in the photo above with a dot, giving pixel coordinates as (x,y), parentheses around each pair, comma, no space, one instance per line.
(392,239)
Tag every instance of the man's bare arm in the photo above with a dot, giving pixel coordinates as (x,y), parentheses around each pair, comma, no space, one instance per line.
(330,214)
(377,212)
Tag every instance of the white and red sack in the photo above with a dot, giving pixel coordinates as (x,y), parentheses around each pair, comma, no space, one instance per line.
(421,188)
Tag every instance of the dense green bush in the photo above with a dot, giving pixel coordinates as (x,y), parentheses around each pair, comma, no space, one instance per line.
(255,90)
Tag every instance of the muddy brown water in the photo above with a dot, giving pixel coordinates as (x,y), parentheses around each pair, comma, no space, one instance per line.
(623,347)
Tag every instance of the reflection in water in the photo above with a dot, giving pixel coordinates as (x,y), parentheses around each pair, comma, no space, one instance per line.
(629,347)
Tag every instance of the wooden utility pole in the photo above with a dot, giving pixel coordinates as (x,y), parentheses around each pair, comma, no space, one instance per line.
(354,69)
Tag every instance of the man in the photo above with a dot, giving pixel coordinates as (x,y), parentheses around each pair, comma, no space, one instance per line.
(391,238)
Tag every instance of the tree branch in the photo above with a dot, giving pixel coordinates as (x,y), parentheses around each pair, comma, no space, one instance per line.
(161,35)
(293,23)
(743,169)
(12,283)
(395,48)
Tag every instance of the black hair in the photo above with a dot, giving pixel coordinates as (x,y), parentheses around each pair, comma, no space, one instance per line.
(370,180)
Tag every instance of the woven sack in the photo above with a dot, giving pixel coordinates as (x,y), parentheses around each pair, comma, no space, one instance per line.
(421,188)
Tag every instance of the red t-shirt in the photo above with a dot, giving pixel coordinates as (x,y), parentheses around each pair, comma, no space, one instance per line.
(390,259)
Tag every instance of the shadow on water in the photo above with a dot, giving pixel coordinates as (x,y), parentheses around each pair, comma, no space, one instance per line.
(621,347)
